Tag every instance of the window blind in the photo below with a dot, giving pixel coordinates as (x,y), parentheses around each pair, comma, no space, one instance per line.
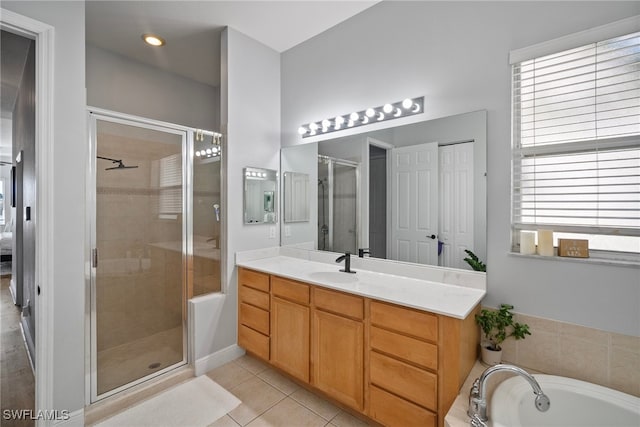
(576,139)
(170,174)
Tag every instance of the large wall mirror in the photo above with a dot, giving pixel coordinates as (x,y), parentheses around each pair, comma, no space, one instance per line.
(413,193)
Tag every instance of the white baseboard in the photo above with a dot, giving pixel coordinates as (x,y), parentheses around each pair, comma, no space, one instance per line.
(219,358)
(12,289)
(76,419)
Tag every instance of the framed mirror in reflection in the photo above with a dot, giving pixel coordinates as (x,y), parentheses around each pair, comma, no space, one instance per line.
(413,193)
(296,197)
(260,189)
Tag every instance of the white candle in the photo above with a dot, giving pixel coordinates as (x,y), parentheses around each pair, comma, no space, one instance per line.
(527,242)
(545,242)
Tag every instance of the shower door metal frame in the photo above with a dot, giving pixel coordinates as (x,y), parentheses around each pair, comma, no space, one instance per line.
(91,368)
(331,162)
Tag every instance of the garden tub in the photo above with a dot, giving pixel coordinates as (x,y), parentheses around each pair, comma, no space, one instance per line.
(573,403)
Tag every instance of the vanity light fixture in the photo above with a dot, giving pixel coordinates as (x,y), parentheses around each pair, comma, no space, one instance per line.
(206,148)
(153,40)
(406,107)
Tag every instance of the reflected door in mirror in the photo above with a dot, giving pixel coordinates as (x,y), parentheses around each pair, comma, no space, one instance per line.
(296,197)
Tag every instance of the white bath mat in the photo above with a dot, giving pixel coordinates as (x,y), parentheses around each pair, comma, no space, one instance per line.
(195,403)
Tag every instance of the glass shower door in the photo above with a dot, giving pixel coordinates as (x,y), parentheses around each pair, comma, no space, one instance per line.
(139,268)
(345,207)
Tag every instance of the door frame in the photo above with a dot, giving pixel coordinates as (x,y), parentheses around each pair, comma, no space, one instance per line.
(93,115)
(43,34)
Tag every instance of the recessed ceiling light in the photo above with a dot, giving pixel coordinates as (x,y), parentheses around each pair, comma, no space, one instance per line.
(153,40)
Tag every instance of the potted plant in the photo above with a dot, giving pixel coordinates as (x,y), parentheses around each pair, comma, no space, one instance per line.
(497,326)
(474,261)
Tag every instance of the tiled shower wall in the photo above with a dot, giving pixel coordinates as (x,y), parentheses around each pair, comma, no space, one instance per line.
(592,355)
(139,284)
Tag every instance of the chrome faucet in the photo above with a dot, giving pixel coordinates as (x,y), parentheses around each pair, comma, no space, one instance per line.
(478,394)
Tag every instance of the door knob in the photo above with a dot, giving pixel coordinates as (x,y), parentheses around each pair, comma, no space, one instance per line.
(433,237)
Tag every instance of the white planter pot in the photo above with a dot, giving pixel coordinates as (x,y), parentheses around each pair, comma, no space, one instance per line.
(491,357)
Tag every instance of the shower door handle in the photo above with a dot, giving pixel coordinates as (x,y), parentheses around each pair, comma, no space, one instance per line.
(94,257)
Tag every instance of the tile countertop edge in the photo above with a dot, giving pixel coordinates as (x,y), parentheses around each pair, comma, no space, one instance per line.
(472,296)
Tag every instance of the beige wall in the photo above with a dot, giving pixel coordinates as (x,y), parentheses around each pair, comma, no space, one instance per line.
(565,349)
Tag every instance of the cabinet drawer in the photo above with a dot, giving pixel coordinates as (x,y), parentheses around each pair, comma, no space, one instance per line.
(406,381)
(254,297)
(253,342)
(253,279)
(290,290)
(339,303)
(410,349)
(255,318)
(405,320)
(391,410)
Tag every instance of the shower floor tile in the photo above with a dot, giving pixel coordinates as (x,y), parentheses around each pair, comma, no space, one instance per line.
(131,361)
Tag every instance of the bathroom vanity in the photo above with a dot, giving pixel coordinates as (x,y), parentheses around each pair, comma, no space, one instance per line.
(391,348)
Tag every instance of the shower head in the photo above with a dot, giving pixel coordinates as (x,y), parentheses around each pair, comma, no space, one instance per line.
(120,164)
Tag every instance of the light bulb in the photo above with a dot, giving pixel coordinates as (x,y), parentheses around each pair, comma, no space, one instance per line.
(350,123)
(247,173)
(313,126)
(370,112)
(215,150)
(380,116)
(209,151)
(198,154)
(326,123)
(153,40)
(337,126)
(354,117)
(339,120)
(398,112)
(313,132)
(407,103)
(365,120)
(416,108)
(302,130)
(387,108)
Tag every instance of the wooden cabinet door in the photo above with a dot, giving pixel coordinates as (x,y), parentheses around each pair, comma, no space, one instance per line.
(290,337)
(338,358)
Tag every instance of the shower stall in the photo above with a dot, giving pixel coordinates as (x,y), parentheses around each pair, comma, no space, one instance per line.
(338,202)
(154,243)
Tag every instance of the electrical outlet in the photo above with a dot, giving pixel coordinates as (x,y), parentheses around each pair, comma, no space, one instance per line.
(272,232)
(287,231)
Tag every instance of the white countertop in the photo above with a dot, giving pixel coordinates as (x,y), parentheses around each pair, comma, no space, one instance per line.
(446,299)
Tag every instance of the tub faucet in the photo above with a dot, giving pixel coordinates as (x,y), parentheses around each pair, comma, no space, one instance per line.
(478,394)
(347,262)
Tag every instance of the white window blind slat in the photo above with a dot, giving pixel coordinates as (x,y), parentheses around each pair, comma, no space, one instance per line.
(576,139)
(170,198)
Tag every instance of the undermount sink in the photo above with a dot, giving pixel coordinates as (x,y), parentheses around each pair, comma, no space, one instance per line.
(334,276)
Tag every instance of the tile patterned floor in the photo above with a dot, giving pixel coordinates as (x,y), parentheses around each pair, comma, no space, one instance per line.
(17,390)
(271,400)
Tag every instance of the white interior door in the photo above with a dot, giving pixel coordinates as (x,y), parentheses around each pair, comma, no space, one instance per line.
(414,198)
(456,203)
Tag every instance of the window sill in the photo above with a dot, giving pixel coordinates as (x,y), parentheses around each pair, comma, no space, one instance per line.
(629,261)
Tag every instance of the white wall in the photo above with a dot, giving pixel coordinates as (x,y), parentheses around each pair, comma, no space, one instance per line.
(250,104)
(456,54)
(118,83)
(69,159)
